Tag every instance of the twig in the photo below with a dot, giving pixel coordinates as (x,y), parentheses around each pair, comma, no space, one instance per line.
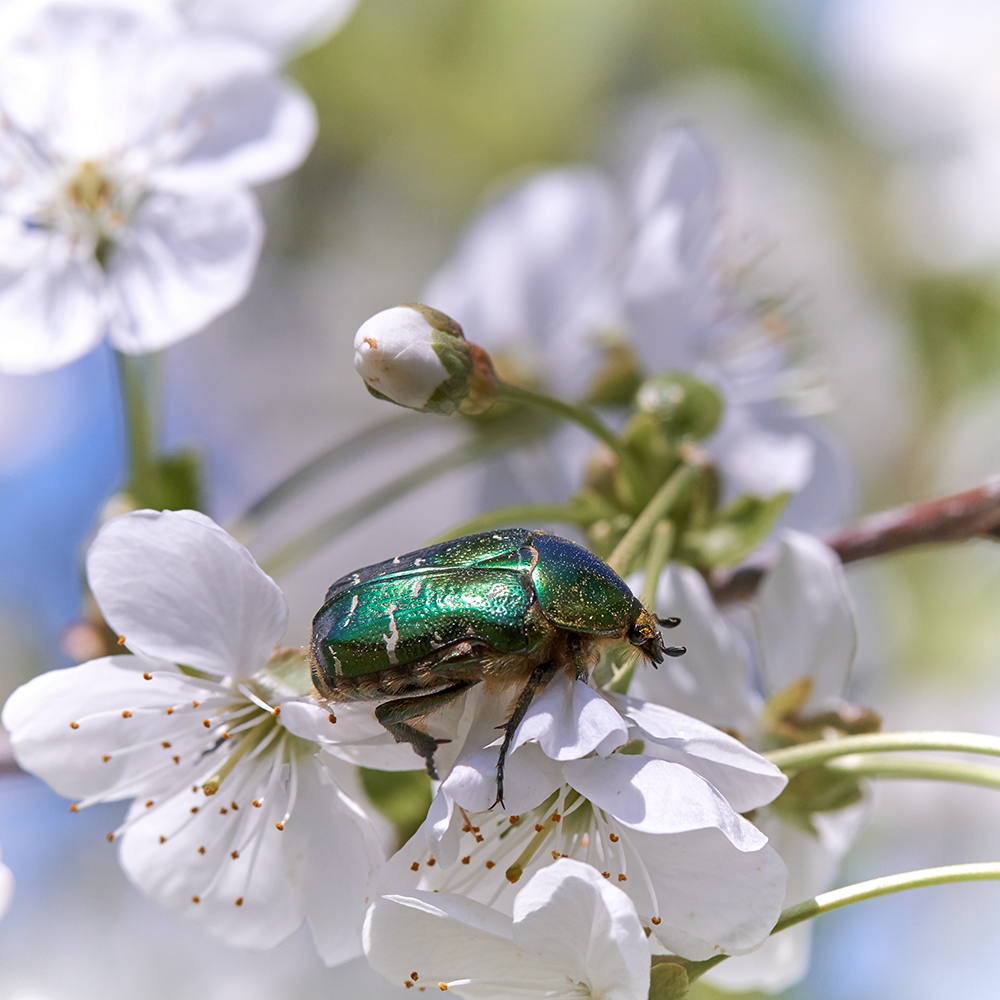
(957,518)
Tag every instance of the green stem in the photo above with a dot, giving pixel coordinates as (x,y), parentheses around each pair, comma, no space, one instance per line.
(309,542)
(656,558)
(141,481)
(627,550)
(879,766)
(872,889)
(584,417)
(324,463)
(527,513)
(808,754)
(885,886)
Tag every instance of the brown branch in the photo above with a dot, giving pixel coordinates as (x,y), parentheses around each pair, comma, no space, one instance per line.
(957,518)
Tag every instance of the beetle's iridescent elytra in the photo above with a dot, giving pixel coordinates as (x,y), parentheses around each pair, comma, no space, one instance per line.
(503,608)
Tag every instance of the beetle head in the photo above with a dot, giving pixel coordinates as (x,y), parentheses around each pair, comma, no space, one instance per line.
(645,636)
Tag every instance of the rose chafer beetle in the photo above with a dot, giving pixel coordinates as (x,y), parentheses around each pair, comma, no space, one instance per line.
(502,608)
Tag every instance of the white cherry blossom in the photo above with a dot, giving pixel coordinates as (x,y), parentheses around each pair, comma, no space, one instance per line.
(128,144)
(571,935)
(661,820)
(568,264)
(235,821)
(805,637)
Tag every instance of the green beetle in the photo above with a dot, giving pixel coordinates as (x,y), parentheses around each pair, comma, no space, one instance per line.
(504,608)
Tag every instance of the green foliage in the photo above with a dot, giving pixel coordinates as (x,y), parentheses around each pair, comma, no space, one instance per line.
(403,797)
(686,407)
(733,531)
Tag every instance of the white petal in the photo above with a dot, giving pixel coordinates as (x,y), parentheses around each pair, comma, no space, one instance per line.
(331,849)
(180,589)
(530,776)
(812,861)
(356,736)
(805,620)
(185,259)
(40,718)
(759,461)
(161,851)
(51,313)
(657,796)
(532,276)
(259,128)
(572,919)
(711,896)
(445,937)
(293,25)
(711,681)
(746,779)
(569,720)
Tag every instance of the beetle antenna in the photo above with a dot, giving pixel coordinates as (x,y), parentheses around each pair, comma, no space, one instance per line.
(669,622)
(675,650)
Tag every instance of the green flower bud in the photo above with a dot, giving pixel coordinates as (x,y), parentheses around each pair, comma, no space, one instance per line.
(417,357)
(687,407)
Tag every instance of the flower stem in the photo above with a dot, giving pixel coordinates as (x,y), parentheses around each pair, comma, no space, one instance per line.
(313,470)
(311,541)
(656,558)
(142,480)
(527,513)
(879,766)
(884,886)
(808,754)
(584,417)
(627,550)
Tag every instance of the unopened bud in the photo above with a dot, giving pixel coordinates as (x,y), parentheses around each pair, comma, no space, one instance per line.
(686,406)
(418,357)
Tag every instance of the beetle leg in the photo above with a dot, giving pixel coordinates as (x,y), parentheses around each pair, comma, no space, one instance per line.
(540,676)
(393,715)
(576,651)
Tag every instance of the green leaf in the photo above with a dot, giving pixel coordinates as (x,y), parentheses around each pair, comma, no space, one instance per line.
(668,981)
(734,531)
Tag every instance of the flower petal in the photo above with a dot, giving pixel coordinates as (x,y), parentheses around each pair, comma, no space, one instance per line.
(327,817)
(746,779)
(185,259)
(805,620)
(102,729)
(569,719)
(533,274)
(711,680)
(52,312)
(6,888)
(444,937)
(712,897)
(658,796)
(180,589)
(569,917)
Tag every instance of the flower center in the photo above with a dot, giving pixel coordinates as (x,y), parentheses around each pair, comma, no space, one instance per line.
(93,207)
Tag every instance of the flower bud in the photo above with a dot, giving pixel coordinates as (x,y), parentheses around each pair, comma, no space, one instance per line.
(418,357)
(686,406)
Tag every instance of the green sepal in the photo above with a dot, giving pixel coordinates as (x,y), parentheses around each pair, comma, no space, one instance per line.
(734,531)
(618,380)
(180,480)
(668,981)
(815,790)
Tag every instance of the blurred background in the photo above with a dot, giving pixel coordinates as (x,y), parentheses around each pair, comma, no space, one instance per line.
(859,145)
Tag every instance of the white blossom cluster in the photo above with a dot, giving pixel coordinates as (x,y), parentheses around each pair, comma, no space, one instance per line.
(131,134)
(633,825)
